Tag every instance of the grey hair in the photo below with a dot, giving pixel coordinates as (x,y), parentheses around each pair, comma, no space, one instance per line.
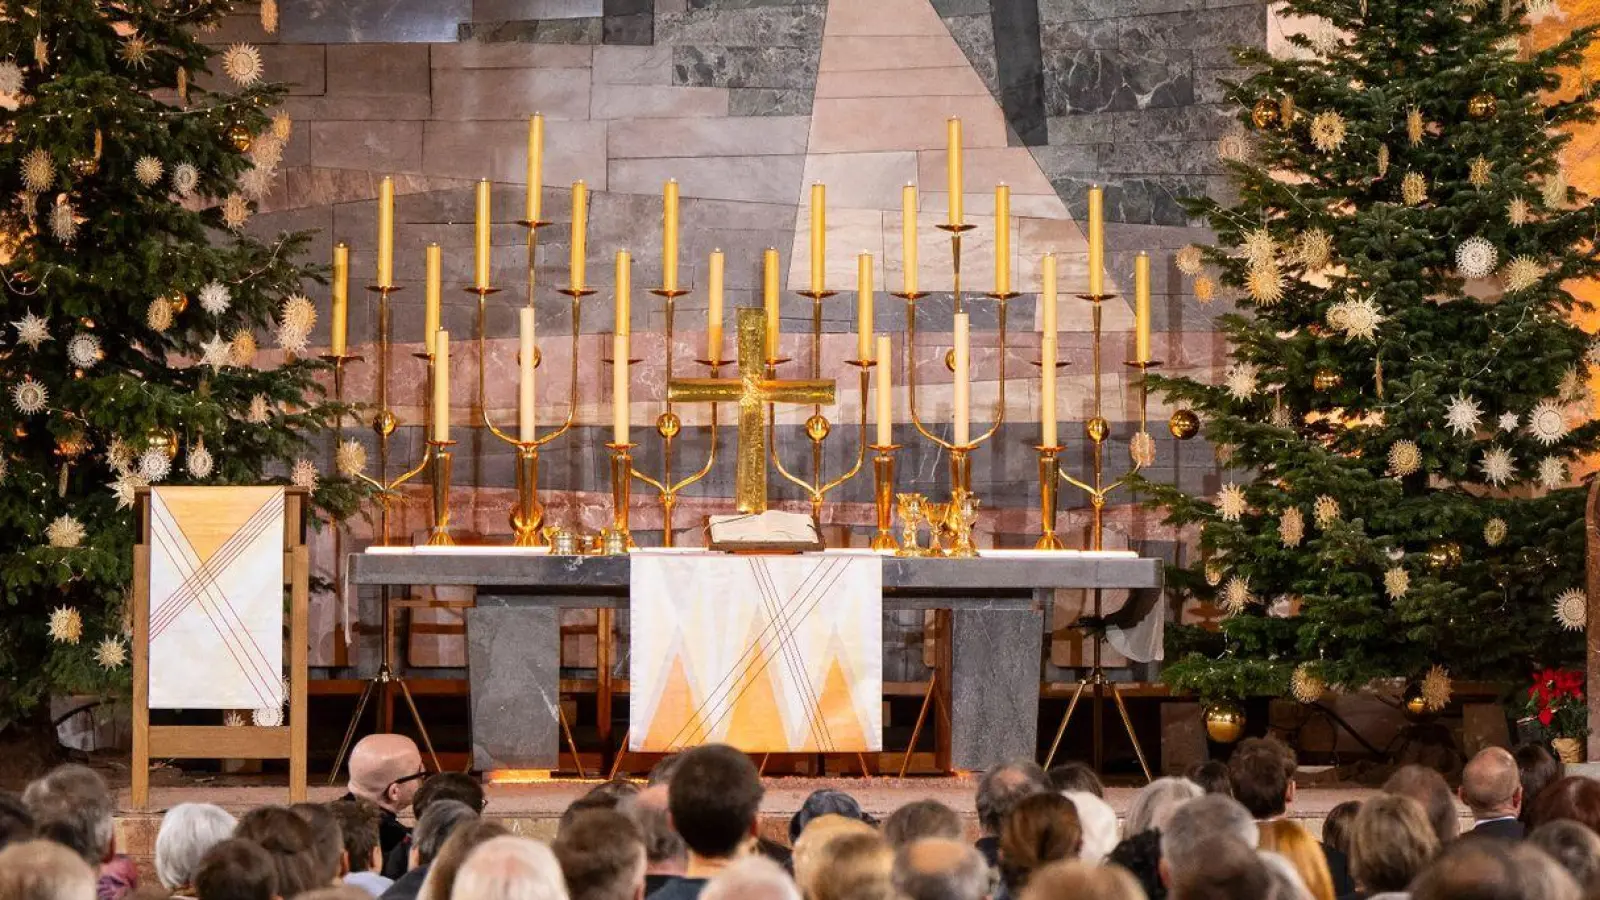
(72,806)
(436,825)
(1154,804)
(1002,786)
(752,878)
(510,868)
(958,871)
(661,842)
(188,831)
(1191,825)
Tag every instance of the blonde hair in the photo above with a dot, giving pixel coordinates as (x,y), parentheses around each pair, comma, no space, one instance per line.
(1390,843)
(854,866)
(808,848)
(1290,840)
(1075,879)
(44,870)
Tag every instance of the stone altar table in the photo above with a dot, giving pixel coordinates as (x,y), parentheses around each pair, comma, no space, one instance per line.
(987,673)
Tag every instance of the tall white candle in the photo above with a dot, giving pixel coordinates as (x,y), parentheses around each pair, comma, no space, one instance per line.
(864,307)
(525,357)
(963,386)
(714,280)
(441,386)
(619,388)
(885,393)
(908,239)
(1047,355)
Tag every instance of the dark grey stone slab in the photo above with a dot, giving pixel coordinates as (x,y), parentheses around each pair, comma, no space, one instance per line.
(975,35)
(535,31)
(391,21)
(1091,80)
(769,101)
(788,68)
(514,668)
(1020,68)
(766,26)
(994,690)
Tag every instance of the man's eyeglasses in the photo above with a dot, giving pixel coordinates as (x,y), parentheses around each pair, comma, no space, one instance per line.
(412,777)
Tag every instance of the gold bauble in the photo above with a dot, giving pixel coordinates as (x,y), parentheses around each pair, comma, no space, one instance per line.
(668,425)
(1265,113)
(1224,722)
(1183,424)
(1413,703)
(1097,428)
(384,423)
(72,445)
(950,359)
(1326,380)
(163,439)
(817,428)
(1482,106)
(241,138)
(178,300)
(1444,555)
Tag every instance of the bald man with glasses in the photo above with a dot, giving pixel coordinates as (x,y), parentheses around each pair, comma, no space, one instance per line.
(387,770)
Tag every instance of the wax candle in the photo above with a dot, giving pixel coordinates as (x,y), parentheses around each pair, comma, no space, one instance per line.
(1047,354)
(819,237)
(580,233)
(624,280)
(669,237)
(525,358)
(1002,239)
(1141,308)
(908,239)
(480,238)
(619,388)
(864,307)
(535,168)
(885,393)
(954,170)
(1097,240)
(430,296)
(386,232)
(963,387)
(714,280)
(769,299)
(441,386)
(340,320)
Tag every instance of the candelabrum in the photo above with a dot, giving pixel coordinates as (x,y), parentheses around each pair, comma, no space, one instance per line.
(669,426)
(960,453)
(818,428)
(338,361)
(439,536)
(883,495)
(527,516)
(384,423)
(621,480)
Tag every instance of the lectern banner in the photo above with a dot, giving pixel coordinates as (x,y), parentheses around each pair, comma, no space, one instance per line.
(771,654)
(216,598)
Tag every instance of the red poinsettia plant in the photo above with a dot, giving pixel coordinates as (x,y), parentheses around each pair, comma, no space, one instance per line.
(1555,706)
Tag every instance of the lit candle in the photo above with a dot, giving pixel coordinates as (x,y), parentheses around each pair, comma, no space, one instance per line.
(481,238)
(908,239)
(819,236)
(769,299)
(885,394)
(669,237)
(441,386)
(624,292)
(535,167)
(956,181)
(714,281)
(1047,355)
(386,232)
(430,297)
(1141,308)
(580,229)
(341,299)
(1097,240)
(864,307)
(525,358)
(1002,239)
(963,387)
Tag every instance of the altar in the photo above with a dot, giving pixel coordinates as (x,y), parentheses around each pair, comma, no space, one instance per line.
(986,675)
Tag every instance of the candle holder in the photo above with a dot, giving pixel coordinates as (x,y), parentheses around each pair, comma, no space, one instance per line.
(442,456)
(1047,497)
(621,479)
(384,423)
(818,428)
(669,426)
(883,496)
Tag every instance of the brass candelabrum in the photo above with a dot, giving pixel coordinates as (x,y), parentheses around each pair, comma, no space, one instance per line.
(883,495)
(669,426)
(960,454)
(621,481)
(527,517)
(439,536)
(818,428)
(384,422)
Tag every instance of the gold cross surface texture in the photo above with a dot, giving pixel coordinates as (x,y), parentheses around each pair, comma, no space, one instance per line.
(752,390)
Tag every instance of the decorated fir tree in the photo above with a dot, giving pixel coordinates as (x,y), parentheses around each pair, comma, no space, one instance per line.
(1406,400)
(134,303)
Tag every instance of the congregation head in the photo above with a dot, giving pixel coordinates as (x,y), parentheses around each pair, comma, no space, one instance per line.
(1429,789)
(1155,803)
(456,786)
(290,844)
(386,769)
(941,869)
(188,832)
(713,799)
(45,870)
(1261,772)
(358,827)
(1537,769)
(752,878)
(602,856)
(665,852)
(440,880)
(72,806)
(1076,776)
(510,868)
(436,825)
(16,823)
(1002,787)
(1194,827)
(919,819)
(1572,797)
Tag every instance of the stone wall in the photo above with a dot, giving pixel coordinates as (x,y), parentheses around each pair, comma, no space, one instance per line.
(746,102)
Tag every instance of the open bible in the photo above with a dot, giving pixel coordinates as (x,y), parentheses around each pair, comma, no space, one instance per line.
(773,531)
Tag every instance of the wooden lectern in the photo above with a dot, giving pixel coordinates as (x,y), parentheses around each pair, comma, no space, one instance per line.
(287,741)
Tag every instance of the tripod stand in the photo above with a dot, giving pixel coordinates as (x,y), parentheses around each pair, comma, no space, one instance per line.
(380,682)
(1096,678)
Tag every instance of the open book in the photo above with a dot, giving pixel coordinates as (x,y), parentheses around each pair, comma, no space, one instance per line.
(773,531)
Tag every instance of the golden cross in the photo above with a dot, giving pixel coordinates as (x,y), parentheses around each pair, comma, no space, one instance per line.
(752,390)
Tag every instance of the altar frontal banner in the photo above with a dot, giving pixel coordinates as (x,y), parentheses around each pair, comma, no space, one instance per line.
(216,598)
(771,654)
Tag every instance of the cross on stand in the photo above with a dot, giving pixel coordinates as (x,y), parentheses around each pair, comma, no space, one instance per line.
(752,390)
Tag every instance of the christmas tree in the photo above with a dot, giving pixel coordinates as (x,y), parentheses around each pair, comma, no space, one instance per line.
(1406,395)
(134,302)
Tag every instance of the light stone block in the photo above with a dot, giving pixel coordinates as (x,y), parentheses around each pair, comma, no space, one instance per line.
(476,55)
(769,179)
(864,180)
(656,102)
(375,145)
(477,94)
(708,137)
(499,151)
